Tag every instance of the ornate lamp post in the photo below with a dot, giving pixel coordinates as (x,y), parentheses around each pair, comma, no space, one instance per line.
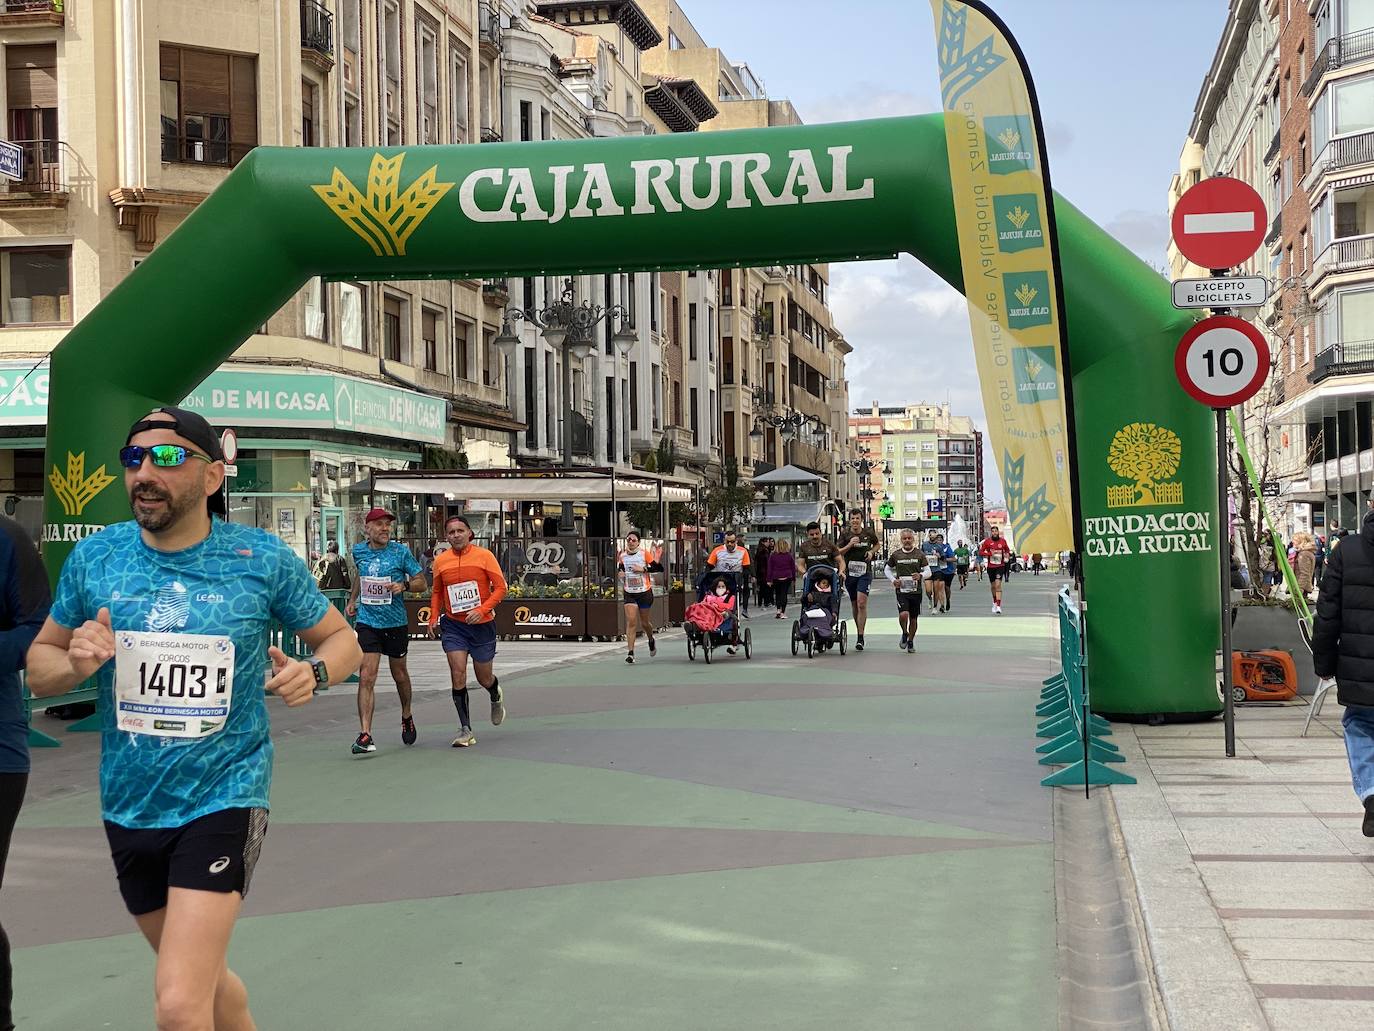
(567,325)
(865,466)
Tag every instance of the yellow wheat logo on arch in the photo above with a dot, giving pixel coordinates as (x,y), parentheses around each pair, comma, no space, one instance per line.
(1145,454)
(74,489)
(384,217)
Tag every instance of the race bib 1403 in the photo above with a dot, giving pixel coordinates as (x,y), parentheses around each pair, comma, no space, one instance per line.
(173,685)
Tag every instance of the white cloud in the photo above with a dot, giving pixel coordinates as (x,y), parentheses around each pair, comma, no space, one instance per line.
(911,339)
(866,100)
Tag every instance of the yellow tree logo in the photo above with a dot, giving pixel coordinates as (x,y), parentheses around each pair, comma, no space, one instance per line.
(385,217)
(1009,138)
(1145,454)
(1025,293)
(1018,216)
(75,489)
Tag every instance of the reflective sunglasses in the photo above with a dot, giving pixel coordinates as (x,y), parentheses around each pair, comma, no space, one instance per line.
(165,456)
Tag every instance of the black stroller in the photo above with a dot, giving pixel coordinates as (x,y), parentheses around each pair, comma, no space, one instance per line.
(727,635)
(820,627)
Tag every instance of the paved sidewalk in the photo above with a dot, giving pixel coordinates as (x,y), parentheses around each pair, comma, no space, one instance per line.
(852,841)
(1254,880)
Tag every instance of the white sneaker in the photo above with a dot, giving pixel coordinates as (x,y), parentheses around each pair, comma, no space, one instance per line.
(995,610)
(999,610)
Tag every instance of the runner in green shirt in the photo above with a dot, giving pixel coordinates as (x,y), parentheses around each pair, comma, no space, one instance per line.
(961,560)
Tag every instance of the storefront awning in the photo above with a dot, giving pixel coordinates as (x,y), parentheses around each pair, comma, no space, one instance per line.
(541,486)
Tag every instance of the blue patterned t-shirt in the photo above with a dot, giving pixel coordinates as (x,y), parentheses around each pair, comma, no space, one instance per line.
(236,582)
(394,564)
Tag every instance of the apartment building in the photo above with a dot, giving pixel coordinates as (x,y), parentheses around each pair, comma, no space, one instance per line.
(783,394)
(1294,84)
(925,454)
(130,114)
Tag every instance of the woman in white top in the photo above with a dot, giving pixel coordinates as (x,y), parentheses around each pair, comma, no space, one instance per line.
(636,564)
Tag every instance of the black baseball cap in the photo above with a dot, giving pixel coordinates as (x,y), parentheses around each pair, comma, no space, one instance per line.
(194,429)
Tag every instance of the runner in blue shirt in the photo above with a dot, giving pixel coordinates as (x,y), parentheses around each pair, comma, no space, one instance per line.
(383,570)
(170,614)
(934,552)
(946,570)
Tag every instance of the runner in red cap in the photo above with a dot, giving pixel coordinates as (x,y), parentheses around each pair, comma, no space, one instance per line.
(383,570)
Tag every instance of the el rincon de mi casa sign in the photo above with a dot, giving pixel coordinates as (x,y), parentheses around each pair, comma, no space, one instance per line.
(740,198)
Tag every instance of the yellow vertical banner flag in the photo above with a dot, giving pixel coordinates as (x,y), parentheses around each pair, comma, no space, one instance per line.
(1009,258)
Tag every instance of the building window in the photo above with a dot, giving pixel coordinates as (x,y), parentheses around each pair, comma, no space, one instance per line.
(427,79)
(316,309)
(545,124)
(673,327)
(353,124)
(310,130)
(634,396)
(694,415)
(492,366)
(462,358)
(458,91)
(677,403)
(393,99)
(209,105)
(526,118)
(429,337)
(656,387)
(531,402)
(692,331)
(37,285)
(31,77)
(710,333)
(394,344)
(353,316)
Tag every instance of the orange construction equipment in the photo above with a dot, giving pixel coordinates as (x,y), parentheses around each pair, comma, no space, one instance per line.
(1265,675)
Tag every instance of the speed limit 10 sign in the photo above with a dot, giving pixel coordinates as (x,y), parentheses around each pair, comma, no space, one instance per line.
(1222,361)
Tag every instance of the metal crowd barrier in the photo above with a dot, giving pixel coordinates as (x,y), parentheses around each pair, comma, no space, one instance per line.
(1076,736)
(85,692)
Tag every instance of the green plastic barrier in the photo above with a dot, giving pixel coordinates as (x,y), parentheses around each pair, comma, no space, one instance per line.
(754,197)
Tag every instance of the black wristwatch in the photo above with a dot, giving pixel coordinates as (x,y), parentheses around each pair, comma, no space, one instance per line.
(321,672)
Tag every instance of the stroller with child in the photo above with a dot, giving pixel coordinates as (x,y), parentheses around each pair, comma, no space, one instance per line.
(711,626)
(819,627)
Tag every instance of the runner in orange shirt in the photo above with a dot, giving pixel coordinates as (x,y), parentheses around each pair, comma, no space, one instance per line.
(468,585)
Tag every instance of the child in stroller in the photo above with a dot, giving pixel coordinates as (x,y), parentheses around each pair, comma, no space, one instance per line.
(820,627)
(711,622)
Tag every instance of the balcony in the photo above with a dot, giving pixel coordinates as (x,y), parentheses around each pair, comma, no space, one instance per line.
(1339,52)
(1344,152)
(1348,255)
(19,13)
(196,150)
(317,35)
(1353,357)
(495,291)
(45,183)
(488,29)
(1273,151)
(1275,229)
(491,134)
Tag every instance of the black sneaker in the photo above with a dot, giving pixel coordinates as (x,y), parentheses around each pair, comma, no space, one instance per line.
(911,646)
(901,645)
(364,745)
(653,646)
(859,643)
(407,730)
(1368,827)
(630,657)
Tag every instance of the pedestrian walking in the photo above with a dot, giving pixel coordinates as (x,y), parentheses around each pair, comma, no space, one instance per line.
(1343,649)
(1320,559)
(331,572)
(782,572)
(762,551)
(24,600)
(1305,561)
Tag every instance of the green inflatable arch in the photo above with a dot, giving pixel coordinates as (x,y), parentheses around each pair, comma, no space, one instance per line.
(753,197)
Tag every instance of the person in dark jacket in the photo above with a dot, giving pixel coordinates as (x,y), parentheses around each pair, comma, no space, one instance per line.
(24,601)
(1343,648)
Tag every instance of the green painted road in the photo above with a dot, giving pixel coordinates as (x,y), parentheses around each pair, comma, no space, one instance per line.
(853,841)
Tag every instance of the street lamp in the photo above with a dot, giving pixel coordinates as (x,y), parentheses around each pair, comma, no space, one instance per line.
(865,467)
(569,326)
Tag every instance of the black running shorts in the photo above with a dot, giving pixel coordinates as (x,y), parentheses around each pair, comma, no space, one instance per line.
(216,852)
(393,641)
(910,603)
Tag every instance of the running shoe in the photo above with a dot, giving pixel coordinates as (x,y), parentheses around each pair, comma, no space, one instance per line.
(465,737)
(498,705)
(902,644)
(911,647)
(999,610)
(653,647)
(630,657)
(995,610)
(407,730)
(859,643)
(1368,826)
(364,745)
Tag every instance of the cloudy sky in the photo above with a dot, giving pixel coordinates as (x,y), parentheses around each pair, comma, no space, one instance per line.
(1117,81)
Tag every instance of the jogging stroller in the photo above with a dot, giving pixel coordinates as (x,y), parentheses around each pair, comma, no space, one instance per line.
(727,634)
(820,628)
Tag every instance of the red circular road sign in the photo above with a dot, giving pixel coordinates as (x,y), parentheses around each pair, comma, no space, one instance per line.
(1219,223)
(1222,361)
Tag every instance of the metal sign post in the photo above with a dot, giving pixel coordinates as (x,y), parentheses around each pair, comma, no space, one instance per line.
(1224,565)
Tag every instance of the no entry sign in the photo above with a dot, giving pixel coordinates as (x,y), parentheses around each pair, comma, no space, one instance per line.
(1219,223)
(1222,361)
